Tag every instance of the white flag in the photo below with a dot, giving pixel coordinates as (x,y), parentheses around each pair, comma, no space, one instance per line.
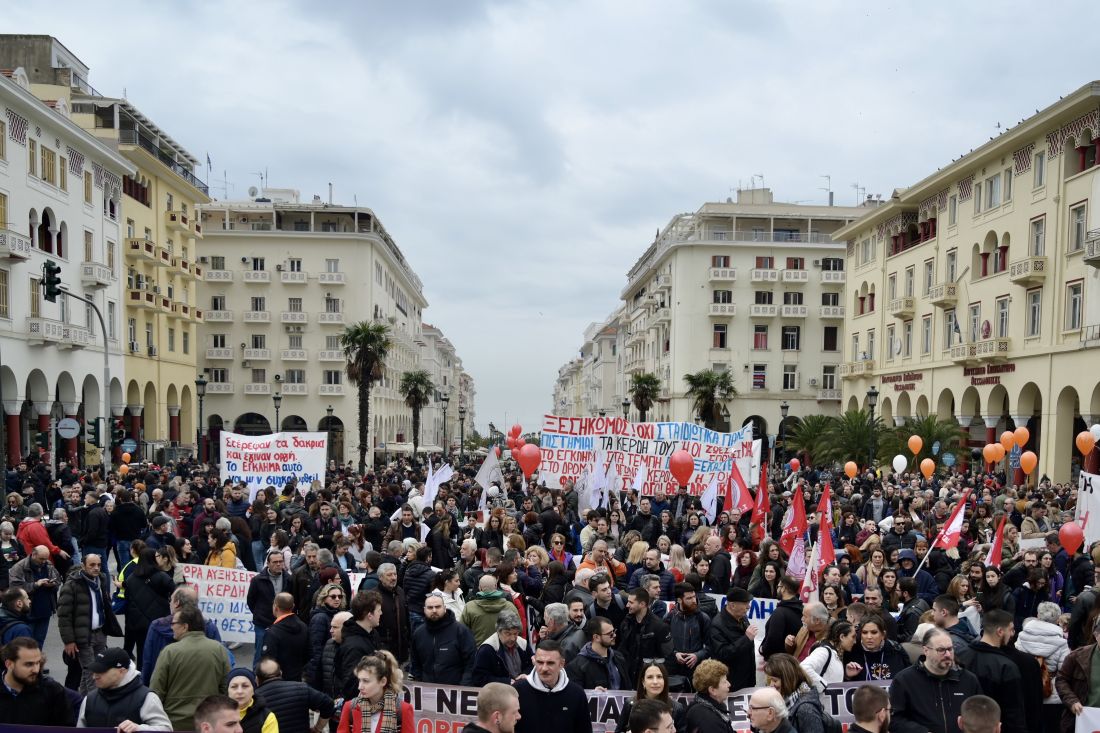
(754,473)
(709,500)
(489,471)
(612,483)
(810,581)
(796,566)
(640,478)
(580,486)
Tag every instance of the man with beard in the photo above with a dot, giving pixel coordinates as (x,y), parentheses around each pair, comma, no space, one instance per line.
(642,635)
(689,629)
(651,565)
(442,649)
(29,697)
(927,697)
(871,709)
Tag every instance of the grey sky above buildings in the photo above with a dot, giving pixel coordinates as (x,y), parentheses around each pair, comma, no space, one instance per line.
(524,154)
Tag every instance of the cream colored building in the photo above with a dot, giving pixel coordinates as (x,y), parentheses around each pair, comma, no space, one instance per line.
(592,383)
(439,358)
(1004,244)
(282,280)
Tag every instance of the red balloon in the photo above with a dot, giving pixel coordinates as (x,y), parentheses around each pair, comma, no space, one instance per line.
(496,449)
(520,442)
(682,465)
(529,458)
(1071,536)
(510,442)
(795,464)
(516,430)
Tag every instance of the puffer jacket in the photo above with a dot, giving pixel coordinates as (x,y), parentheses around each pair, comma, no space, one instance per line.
(357,643)
(417,583)
(319,623)
(1044,639)
(74,609)
(443,652)
(805,712)
(147,599)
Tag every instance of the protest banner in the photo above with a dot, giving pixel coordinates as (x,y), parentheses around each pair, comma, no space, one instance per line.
(1088,502)
(569,445)
(272,460)
(1088,721)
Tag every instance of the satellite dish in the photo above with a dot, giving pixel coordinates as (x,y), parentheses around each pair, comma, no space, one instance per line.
(253,192)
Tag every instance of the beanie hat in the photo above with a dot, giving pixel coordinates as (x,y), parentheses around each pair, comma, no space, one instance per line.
(241,672)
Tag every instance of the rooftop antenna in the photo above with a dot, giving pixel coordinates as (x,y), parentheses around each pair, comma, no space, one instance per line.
(262,176)
(760,176)
(860,192)
(828,187)
(225,186)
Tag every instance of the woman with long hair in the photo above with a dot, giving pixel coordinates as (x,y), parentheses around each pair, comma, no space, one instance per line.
(626,544)
(297,534)
(961,590)
(678,564)
(280,540)
(636,558)
(148,589)
(833,600)
(444,549)
(379,707)
(1027,597)
(691,526)
(1057,582)
(848,529)
(223,551)
(491,535)
(804,709)
(869,572)
(994,593)
(358,547)
(746,566)
(768,584)
(770,551)
(824,665)
(449,584)
(11,552)
(888,584)
(875,657)
(166,561)
(652,685)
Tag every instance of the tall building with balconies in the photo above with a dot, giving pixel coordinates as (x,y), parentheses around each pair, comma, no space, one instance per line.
(60,191)
(282,279)
(439,421)
(974,294)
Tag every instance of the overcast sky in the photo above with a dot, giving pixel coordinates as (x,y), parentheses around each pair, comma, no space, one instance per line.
(524,154)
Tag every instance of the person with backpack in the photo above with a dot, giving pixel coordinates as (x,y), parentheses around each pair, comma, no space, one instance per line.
(689,628)
(824,665)
(804,708)
(1042,638)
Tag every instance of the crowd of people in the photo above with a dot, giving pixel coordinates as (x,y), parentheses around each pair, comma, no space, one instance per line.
(540,594)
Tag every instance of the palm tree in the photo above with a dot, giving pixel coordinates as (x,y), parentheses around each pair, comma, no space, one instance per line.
(645,388)
(417,389)
(932,430)
(366,345)
(710,390)
(849,438)
(810,435)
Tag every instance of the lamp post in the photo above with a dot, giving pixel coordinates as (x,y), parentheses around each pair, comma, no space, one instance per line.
(784,408)
(328,430)
(446,401)
(462,432)
(872,400)
(626,408)
(200,392)
(277,399)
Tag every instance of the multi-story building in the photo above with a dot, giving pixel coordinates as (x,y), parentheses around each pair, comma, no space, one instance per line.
(60,200)
(753,287)
(282,279)
(158,241)
(974,293)
(454,392)
(592,383)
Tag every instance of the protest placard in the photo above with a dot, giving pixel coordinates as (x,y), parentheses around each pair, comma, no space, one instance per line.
(272,460)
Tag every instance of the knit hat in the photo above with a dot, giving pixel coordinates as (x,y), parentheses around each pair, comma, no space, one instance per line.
(241,672)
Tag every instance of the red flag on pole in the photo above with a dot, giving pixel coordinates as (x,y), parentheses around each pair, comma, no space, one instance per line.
(994,556)
(743,501)
(948,537)
(795,523)
(762,506)
(825,531)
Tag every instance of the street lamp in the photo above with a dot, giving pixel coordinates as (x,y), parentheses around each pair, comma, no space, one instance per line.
(277,398)
(872,400)
(328,430)
(784,408)
(462,431)
(446,401)
(626,408)
(200,391)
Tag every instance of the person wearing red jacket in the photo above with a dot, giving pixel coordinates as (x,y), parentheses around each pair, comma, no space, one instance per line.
(379,698)
(32,533)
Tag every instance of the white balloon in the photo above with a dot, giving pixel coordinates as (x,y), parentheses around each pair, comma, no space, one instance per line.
(1095,430)
(899,464)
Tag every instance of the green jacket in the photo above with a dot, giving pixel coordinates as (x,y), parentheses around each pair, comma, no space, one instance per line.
(188,671)
(480,614)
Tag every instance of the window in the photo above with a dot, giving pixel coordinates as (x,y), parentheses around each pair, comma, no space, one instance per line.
(867,252)
(5,310)
(763,297)
(975,316)
(378,272)
(855,346)
(32,157)
(186,342)
(718,336)
(760,337)
(1075,294)
(87,187)
(910,277)
(259,303)
(1034,312)
(926,335)
(168,201)
(792,298)
(830,338)
(828,376)
(49,166)
(3,140)
(929,275)
(295,341)
(993,191)
(332,376)
(3,211)
(892,286)
(759,376)
(111,262)
(36,298)
(88,244)
(720,261)
(796,263)
(111,318)
(219,375)
(1038,236)
(259,376)
(1008,185)
(217,302)
(217,341)
(977,198)
(171,339)
(1077,217)
(62,175)
(951,265)
(790,376)
(1039,168)
(131,330)
(294,305)
(830,299)
(217,263)
(907,339)
(294,264)
(332,305)
(149,336)
(953,210)
(792,338)
(832,264)
(295,376)
(332,265)
(259,341)
(332,343)
(722,296)
(765,263)
(1002,317)
(871,344)
(258,264)
(890,343)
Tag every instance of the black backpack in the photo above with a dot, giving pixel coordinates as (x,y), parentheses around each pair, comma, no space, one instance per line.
(831,724)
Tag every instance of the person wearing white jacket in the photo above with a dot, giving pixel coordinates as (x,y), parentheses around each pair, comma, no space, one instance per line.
(1043,638)
(824,665)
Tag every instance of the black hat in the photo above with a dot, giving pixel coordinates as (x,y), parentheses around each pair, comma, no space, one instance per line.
(738,595)
(161,521)
(112,658)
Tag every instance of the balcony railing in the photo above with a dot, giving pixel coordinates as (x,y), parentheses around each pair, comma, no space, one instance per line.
(257,388)
(943,295)
(133,137)
(796,277)
(219,353)
(768,236)
(764,275)
(962,354)
(662,282)
(218,316)
(256,317)
(294,355)
(257,354)
(288,277)
(332,278)
(723,274)
(1028,271)
(902,307)
(856,369)
(293,317)
(219,388)
(139,248)
(45,331)
(722,310)
(763,310)
(330,355)
(256,276)
(179,221)
(331,319)
(661,315)
(828,395)
(142,299)
(330,389)
(94,275)
(76,338)
(793,311)
(833,277)
(994,349)
(1092,248)
(831,312)
(14,246)
(219,276)
(296,389)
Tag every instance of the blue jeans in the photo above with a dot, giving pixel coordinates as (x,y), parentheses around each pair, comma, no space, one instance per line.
(122,550)
(258,550)
(39,628)
(416,620)
(259,645)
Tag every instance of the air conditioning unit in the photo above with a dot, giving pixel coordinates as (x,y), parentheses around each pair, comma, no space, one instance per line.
(244,260)
(246,364)
(278,268)
(156,289)
(296,329)
(817,263)
(152,351)
(204,259)
(813,382)
(134,347)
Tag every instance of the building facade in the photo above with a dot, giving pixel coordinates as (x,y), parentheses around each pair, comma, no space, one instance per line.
(282,279)
(974,293)
(453,400)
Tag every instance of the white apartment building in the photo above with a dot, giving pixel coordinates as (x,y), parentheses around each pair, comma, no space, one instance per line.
(592,384)
(282,280)
(60,191)
(453,400)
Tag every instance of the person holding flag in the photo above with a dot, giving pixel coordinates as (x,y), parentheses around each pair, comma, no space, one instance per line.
(946,539)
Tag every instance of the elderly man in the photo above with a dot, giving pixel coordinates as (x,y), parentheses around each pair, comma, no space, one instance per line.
(190,669)
(768,712)
(731,639)
(393,631)
(815,627)
(32,533)
(84,616)
(721,568)
(442,650)
(927,697)
(290,701)
(480,614)
(600,561)
(504,657)
(305,581)
(40,579)
(561,628)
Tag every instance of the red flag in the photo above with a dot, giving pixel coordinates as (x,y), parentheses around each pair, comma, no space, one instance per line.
(824,531)
(736,483)
(795,522)
(948,537)
(763,504)
(994,556)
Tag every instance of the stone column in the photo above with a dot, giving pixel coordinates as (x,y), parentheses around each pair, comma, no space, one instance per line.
(136,423)
(14,432)
(174,424)
(68,446)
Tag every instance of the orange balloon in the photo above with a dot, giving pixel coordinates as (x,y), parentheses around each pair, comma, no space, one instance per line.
(1008,439)
(915,444)
(851,469)
(125,457)
(989,453)
(928,467)
(998,452)
(1085,442)
(1022,436)
(123,470)
(1028,461)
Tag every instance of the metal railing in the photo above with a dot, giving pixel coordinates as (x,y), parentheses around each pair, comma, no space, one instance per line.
(133,137)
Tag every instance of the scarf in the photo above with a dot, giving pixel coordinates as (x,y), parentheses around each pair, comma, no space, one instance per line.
(387,706)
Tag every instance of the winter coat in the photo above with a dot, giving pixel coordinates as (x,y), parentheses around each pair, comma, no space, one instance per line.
(32,532)
(689,635)
(96,527)
(1000,679)
(357,643)
(721,570)
(261,596)
(589,670)
(480,614)
(885,664)
(1027,603)
(13,625)
(417,584)
(319,623)
(805,712)
(785,621)
(1044,639)
(924,703)
(909,618)
(130,700)
(43,599)
(650,639)
(706,715)
(393,630)
(730,646)
(43,703)
(562,709)
(824,666)
(1074,683)
(188,671)
(489,663)
(160,635)
(291,703)
(127,521)
(442,652)
(147,599)
(287,642)
(572,640)
(74,609)
(351,719)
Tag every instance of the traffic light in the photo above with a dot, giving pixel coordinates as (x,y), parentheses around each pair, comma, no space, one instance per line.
(51,280)
(42,440)
(118,434)
(92,434)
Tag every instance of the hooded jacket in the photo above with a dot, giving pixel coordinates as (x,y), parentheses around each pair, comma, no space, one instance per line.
(13,625)
(480,614)
(287,642)
(564,707)
(589,670)
(129,700)
(417,583)
(924,703)
(785,621)
(926,584)
(443,652)
(1000,679)
(357,643)
(43,703)
(1044,639)
(489,663)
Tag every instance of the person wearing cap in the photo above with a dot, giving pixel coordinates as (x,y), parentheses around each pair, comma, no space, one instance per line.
(255,717)
(731,639)
(120,699)
(161,535)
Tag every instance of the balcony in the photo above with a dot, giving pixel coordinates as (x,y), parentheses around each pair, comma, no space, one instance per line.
(45,331)
(196,229)
(219,353)
(288,277)
(94,275)
(217,276)
(856,369)
(293,317)
(76,338)
(662,282)
(257,388)
(257,354)
(164,304)
(636,336)
(828,395)
(332,278)
(902,307)
(763,310)
(661,315)
(257,317)
(963,354)
(330,389)
(180,309)
(139,249)
(793,311)
(218,316)
(831,313)
(294,355)
(722,310)
(142,299)
(833,277)
(1028,271)
(179,221)
(185,268)
(796,277)
(764,275)
(330,355)
(219,388)
(992,350)
(256,276)
(943,295)
(14,246)
(723,274)
(1092,248)
(330,319)
(295,390)
(133,137)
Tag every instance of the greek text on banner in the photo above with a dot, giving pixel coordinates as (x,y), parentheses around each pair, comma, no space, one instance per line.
(260,461)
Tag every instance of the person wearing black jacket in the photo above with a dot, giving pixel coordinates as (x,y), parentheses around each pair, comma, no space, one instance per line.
(96,528)
(417,583)
(148,591)
(647,525)
(999,676)
(785,621)
(28,696)
(641,634)
(287,639)
(912,608)
(393,631)
(442,650)
(730,640)
(599,666)
(927,697)
(359,639)
(127,522)
(291,702)
(721,567)
(262,590)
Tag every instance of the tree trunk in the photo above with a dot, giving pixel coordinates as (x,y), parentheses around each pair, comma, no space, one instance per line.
(364,424)
(416,431)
